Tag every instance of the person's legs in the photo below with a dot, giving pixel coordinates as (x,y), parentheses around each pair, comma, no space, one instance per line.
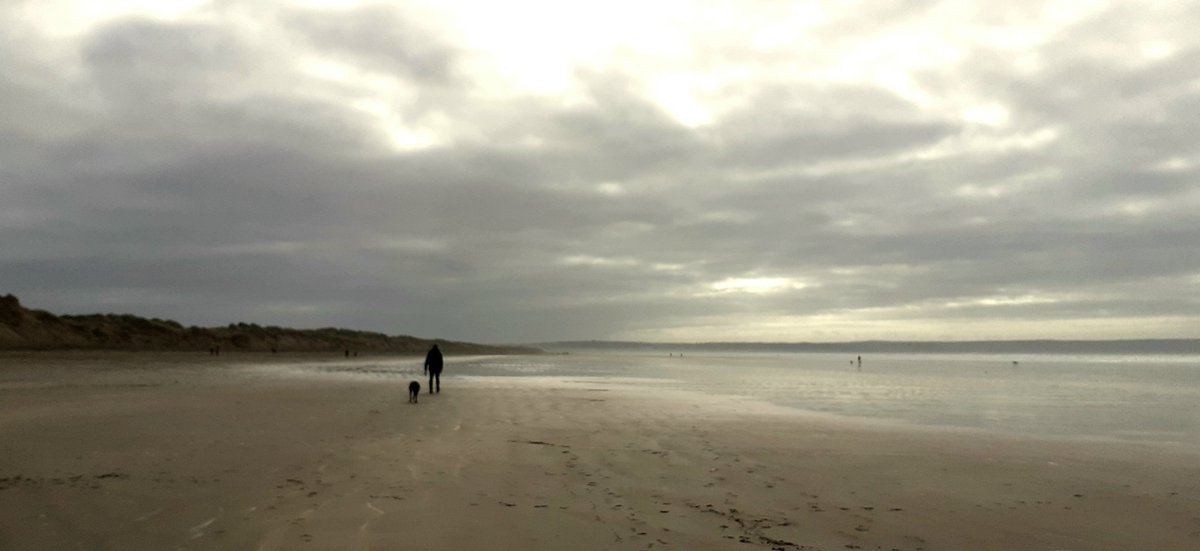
(430,388)
(438,378)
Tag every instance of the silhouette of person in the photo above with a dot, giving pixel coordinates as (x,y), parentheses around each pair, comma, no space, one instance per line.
(433,366)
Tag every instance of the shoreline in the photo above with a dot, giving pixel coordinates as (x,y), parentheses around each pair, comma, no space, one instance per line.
(164,453)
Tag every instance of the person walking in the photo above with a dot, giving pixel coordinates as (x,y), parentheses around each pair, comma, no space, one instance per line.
(433,366)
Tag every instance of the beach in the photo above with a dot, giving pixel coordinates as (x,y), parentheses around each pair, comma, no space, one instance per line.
(177,451)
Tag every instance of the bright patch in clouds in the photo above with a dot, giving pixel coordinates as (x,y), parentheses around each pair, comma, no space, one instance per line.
(756,285)
(987,115)
(597,261)
(1004,301)
(610,188)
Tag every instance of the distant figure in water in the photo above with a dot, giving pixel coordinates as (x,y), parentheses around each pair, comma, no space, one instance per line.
(433,366)
(860,362)
(414,389)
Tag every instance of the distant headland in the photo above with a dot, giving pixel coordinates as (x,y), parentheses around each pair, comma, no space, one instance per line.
(25,329)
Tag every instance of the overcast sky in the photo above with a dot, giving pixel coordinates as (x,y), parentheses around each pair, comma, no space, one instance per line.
(526,171)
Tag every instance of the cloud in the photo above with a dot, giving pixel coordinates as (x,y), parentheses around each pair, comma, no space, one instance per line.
(934,170)
(380,40)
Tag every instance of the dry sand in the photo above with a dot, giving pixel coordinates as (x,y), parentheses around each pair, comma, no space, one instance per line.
(138,451)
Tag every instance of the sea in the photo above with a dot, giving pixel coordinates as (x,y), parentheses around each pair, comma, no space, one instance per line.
(1125,397)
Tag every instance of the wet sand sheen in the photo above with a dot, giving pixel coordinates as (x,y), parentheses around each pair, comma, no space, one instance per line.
(169,452)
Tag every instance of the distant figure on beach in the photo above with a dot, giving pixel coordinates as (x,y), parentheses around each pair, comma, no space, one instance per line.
(860,362)
(347,352)
(433,366)
(414,389)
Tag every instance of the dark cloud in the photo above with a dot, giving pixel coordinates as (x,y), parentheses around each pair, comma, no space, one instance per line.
(378,39)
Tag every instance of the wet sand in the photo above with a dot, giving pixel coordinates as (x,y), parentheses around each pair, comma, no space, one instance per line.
(161,451)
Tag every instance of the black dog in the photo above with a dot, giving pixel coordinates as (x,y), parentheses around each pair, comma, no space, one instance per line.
(414,389)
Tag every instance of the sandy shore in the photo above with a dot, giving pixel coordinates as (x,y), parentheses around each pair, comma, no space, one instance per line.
(128,452)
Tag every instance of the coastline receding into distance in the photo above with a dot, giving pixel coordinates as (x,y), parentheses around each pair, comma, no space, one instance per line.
(24,329)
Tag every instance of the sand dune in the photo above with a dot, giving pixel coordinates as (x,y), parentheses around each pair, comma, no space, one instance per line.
(25,329)
(175,452)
